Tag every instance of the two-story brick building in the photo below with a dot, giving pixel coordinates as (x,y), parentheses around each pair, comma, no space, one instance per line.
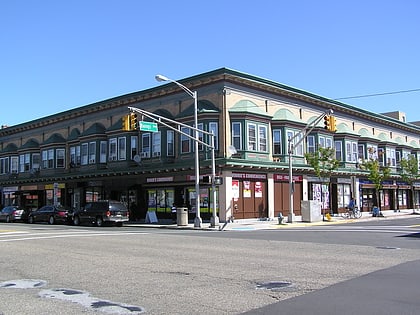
(83,154)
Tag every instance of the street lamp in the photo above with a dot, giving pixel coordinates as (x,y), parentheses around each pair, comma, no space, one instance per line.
(193,94)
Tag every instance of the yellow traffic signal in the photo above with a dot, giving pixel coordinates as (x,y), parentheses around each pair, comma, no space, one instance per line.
(333,124)
(133,121)
(327,122)
(125,123)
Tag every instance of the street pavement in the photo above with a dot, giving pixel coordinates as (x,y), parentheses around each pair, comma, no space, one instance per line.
(274,223)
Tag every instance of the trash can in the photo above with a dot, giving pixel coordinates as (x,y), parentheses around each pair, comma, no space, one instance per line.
(182,216)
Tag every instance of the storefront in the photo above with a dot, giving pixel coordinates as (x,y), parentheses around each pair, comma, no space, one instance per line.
(282,194)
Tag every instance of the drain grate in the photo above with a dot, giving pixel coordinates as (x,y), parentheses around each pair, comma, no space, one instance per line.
(274,285)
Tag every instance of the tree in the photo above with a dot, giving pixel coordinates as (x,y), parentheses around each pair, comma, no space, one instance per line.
(377,174)
(324,163)
(410,173)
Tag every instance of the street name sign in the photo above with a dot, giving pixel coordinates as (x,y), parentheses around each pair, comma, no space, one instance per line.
(148,126)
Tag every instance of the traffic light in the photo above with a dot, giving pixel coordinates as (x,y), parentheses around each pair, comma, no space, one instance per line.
(333,124)
(327,122)
(125,123)
(133,121)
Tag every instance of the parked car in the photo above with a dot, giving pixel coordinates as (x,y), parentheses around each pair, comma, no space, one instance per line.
(50,214)
(11,214)
(100,212)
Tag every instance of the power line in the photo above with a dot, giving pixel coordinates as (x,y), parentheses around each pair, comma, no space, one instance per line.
(378,94)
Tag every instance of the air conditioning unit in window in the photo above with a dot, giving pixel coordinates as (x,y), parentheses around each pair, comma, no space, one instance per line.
(156,153)
(144,154)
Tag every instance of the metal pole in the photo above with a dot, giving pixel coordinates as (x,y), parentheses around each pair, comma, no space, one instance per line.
(291,215)
(215,219)
(197,221)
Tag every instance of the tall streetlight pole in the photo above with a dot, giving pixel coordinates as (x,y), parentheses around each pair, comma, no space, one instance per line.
(193,94)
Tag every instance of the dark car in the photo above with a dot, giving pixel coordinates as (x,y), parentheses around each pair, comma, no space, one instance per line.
(50,214)
(11,214)
(100,212)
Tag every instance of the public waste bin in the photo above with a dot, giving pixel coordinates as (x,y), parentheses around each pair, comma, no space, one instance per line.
(182,216)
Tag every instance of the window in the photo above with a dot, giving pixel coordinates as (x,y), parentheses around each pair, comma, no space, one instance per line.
(36,161)
(391,157)
(24,162)
(112,149)
(4,165)
(252,137)
(102,152)
(170,143)
(200,136)
(92,152)
(156,147)
(338,151)
(237,135)
(48,158)
(361,152)
(145,145)
(185,141)
(14,163)
(372,151)
(134,146)
(122,152)
(262,138)
(84,155)
(277,142)
(328,143)
(310,144)
(352,151)
(381,158)
(59,158)
(214,128)
(298,149)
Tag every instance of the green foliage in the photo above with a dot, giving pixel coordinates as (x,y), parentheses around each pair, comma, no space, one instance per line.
(377,173)
(409,169)
(323,161)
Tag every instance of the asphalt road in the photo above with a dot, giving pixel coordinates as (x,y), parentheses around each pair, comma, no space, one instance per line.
(313,270)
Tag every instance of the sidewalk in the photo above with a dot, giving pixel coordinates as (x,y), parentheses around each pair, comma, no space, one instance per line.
(266,224)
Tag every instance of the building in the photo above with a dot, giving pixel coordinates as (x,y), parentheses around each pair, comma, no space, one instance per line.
(84,154)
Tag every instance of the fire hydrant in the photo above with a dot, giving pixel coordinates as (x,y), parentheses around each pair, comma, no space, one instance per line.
(281,218)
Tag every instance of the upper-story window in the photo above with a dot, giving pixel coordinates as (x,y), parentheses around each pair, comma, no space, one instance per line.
(185,140)
(60,158)
(84,153)
(237,135)
(298,149)
(4,165)
(145,145)
(24,162)
(122,149)
(75,155)
(134,146)
(48,158)
(112,149)
(391,157)
(262,138)
(92,152)
(277,141)
(252,137)
(200,126)
(338,145)
(310,144)
(102,151)
(36,161)
(372,152)
(352,151)
(214,128)
(14,164)
(170,138)
(157,144)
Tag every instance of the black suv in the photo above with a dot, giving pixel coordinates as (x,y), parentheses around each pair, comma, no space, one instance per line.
(100,212)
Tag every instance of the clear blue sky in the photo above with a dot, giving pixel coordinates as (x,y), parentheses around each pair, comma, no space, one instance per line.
(59,55)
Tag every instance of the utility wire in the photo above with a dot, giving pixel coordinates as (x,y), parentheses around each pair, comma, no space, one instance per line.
(378,94)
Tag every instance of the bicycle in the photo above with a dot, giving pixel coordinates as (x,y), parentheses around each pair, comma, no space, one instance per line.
(352,214)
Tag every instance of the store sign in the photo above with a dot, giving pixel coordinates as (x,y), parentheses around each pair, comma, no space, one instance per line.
(249,176)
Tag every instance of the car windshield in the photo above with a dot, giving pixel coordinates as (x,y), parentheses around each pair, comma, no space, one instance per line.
(117,207)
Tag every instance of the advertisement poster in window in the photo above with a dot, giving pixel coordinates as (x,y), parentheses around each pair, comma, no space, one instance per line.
(258,190)
(247,189)
(235,189)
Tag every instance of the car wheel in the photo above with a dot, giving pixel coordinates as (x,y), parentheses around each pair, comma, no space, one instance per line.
(31,220)
(76,220)
(8,219)
(99,221)
(51,220)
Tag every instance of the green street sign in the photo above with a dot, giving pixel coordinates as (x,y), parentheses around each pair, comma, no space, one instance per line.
(148,126)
